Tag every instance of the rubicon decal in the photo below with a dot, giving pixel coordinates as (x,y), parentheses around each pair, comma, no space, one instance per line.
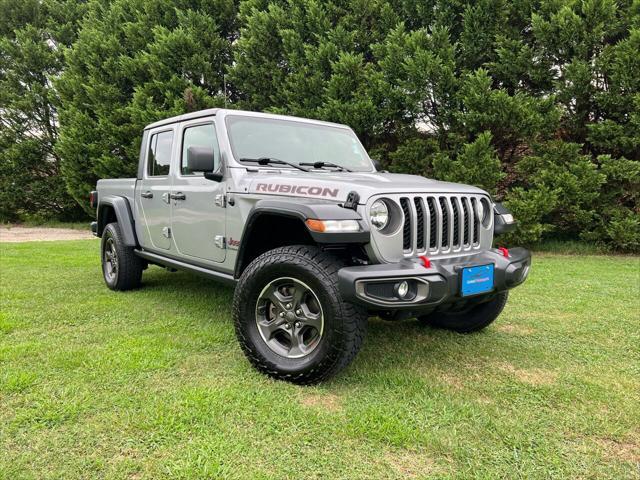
(297,189)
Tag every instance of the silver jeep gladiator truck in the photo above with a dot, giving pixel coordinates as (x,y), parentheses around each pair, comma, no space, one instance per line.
(295,214)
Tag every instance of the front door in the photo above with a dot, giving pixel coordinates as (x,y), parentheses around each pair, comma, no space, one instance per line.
(198,208)
(153,191)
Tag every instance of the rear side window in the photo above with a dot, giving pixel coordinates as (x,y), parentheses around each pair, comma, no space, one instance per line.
(159,154)
(200,136)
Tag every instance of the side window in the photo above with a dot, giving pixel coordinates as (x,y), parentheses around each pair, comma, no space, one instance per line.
(199,135)
(159,154)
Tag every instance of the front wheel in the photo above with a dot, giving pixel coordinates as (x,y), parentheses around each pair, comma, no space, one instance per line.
(290,318)
(472,320)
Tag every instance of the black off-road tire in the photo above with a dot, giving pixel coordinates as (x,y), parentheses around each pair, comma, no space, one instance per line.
(128,274)
(472,320)
(344,323)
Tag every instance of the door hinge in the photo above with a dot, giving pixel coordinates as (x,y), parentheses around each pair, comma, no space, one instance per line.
(221,200)
(220,242)
(166,232)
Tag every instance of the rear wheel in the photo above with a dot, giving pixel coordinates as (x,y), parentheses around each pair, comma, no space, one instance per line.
(290,319)
(471,320)
(121,267)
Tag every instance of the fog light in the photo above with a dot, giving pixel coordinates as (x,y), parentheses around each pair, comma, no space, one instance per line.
(402,289)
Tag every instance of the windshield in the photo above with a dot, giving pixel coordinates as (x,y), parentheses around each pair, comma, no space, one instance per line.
(296,142)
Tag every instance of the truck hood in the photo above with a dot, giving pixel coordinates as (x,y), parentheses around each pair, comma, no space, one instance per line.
(336,186)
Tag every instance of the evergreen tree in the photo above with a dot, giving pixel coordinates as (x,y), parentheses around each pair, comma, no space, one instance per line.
(136,62)
(539,103)
(31,43)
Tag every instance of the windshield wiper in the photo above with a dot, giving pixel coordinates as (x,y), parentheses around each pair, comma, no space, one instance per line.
(325,164)
(275,161)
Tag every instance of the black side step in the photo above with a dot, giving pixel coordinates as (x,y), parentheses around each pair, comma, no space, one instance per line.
(179,265)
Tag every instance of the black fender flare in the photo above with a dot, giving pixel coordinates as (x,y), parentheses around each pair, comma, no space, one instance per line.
(123,213)
(303,211)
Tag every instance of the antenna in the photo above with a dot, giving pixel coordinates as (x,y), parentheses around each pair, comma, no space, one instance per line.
(224,81)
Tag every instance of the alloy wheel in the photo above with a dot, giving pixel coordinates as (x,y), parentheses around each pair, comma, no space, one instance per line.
(289,317)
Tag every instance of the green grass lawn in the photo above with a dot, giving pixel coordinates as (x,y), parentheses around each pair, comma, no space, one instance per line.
(151,383)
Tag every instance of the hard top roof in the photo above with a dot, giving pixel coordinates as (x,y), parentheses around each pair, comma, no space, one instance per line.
(182,118)
(213,111)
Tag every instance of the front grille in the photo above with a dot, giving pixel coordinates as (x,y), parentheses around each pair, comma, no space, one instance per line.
(433,222)
(444,242)
(476,223)
(406,233)
(439,223)
(419,203)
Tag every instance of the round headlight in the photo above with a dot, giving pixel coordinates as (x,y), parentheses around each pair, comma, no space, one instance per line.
(379,214)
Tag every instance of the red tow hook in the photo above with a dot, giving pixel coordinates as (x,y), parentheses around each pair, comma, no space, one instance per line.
(426,263)
(504,251)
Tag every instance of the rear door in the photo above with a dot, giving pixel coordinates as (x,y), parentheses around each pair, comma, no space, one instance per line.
(198,204)
(152,194)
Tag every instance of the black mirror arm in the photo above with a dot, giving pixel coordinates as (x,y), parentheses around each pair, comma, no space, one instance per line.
(213,176)
(377,164)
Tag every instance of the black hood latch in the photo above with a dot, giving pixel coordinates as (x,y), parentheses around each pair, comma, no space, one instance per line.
(352,201)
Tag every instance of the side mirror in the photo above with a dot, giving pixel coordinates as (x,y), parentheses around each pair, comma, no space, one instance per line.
(503,220)
(201,158)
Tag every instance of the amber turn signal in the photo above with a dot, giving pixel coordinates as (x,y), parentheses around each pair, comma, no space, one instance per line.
(333,226)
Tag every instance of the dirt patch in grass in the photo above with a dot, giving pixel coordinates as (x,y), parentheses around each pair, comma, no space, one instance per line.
(627,450)
(532,376)
(514,329)
(410,464)
(452,380)
(322,401)
(40,234)
(459,383)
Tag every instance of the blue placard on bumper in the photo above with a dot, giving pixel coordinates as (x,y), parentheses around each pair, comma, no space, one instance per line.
(477,280)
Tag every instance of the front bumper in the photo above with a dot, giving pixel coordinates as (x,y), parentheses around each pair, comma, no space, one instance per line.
(437,285)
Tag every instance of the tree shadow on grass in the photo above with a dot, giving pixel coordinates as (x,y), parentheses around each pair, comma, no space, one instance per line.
(190,289)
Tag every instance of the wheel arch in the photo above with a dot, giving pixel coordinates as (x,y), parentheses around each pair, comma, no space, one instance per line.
(115,208)
(284,224)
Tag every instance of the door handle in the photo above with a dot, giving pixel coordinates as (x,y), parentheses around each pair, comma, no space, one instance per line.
(146,194)
(177,196)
